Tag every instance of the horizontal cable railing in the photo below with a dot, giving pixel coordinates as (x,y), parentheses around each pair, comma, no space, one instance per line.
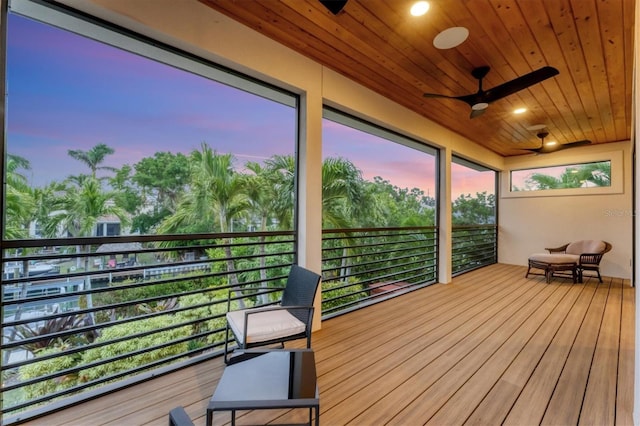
(80,314)
(363,266)
(85,314)
(473,246)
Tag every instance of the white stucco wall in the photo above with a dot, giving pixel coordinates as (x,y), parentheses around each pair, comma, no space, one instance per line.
(529,224)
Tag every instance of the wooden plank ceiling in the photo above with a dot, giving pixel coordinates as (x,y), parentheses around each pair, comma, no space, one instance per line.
(378,44)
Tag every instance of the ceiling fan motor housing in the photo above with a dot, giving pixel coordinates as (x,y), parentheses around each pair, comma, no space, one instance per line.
(480,72)
(542,135)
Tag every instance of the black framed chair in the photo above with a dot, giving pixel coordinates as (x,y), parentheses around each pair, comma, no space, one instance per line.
(291,319)
(179,417)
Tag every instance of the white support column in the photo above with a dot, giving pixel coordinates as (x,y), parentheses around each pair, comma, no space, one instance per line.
(444,241)
(310,190)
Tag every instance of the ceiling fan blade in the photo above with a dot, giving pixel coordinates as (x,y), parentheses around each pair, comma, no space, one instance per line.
(470,100)
(481,99)
(520,83)
(438,95)
(576,144)
(549,149)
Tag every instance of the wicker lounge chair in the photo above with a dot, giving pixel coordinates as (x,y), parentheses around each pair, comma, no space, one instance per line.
(573,258)
(266,325)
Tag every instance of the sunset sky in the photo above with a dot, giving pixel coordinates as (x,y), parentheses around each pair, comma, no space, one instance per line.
(69,92)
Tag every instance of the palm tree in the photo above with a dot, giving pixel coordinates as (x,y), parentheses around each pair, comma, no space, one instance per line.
(217,196)
(19,201)
(598,174)
(90,195)
(342,191)
(540,181)
(93,158)
(45,198)
(342,198)
(262,191)
(80,207)
(283,179)
(77,212)
(261,198)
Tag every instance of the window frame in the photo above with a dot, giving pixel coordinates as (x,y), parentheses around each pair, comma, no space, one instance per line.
(346,119)
(87,26)
(617,175)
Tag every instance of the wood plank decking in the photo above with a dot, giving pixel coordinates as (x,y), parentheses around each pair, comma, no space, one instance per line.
(490,348)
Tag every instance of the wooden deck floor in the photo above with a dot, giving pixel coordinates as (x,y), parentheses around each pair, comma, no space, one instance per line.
(490,348)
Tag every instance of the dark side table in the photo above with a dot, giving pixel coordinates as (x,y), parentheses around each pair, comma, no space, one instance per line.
(268,380)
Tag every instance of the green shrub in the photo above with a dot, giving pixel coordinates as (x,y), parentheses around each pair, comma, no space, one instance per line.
(205,312)
(208,323)
(48,366)
(344,295)
(119,293)
(133,344)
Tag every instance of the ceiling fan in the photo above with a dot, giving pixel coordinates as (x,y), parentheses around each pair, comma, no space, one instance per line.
(480,100)
(546,149)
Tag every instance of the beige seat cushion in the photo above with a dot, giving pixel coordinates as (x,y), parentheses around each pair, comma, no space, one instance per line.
(585,246)
(264,326)
(555,257)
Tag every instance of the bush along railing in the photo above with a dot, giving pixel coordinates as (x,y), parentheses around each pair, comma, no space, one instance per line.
(473,246)
(78,314)
(363,266)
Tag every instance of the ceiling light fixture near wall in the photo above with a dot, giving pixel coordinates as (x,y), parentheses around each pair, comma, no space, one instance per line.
(451,37)
(535,127)
(553,146)
(420,8)
(519,111)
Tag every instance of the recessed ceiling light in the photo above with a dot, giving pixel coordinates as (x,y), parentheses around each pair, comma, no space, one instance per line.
(520,111)
(451,37)
(420,8)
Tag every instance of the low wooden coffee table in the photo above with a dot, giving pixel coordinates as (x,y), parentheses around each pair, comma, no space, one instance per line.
(268,380)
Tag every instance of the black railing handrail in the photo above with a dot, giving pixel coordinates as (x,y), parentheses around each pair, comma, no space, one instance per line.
(389,228)
(92,241)
(73,241)
(481,226)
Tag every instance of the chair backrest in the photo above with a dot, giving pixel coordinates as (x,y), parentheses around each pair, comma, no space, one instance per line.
(179,417)
(586,246)
(300,290)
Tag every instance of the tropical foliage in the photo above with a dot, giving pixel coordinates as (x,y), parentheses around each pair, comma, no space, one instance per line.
(207,192)
(573,176)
